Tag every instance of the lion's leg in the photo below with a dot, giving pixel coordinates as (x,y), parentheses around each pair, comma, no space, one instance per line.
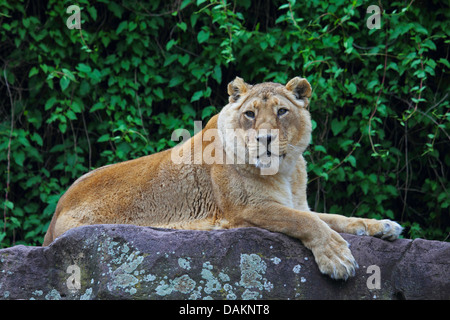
(330,250)
(385,229)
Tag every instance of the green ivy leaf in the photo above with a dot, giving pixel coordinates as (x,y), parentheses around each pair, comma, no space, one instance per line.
(208,111)
(68,74)
(170,44)
(19,157)
(182,26)
(203,36)
(159,93)
(337,126)
(217,74)
(122,26)
(62,127)
(97,106)
(64,83)
(197,95)
(365,186)
(33,71)
(175,81)
(50,103)
(83,68)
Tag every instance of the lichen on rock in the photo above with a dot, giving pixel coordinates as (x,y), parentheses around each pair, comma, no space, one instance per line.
(130,262)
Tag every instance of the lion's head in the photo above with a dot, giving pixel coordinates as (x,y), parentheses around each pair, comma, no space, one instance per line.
(266,124)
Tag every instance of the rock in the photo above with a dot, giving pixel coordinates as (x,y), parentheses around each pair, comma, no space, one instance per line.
(130,262)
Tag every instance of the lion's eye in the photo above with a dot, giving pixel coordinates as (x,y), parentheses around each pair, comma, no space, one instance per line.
(250,114)
(282,111)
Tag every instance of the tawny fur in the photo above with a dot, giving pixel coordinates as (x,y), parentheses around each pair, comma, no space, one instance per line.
(198,194)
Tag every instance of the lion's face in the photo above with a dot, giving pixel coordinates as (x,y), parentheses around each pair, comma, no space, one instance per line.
(266,124)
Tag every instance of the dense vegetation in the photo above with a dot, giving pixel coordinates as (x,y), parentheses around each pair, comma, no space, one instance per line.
(73,100)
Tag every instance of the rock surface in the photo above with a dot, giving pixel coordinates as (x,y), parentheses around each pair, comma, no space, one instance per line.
(130,262)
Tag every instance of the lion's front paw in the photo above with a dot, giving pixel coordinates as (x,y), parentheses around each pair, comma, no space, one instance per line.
(334,257)
(384,229)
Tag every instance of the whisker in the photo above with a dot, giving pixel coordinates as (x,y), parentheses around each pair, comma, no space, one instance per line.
(293,147)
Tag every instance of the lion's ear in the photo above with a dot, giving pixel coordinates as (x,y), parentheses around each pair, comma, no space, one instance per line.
(300,87)
(236,88)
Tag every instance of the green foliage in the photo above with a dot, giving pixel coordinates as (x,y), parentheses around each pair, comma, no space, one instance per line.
(74,100)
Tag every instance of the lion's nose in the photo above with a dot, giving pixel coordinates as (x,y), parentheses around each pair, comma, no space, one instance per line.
(265,139)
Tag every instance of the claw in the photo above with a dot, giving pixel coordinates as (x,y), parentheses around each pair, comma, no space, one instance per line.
(361,232)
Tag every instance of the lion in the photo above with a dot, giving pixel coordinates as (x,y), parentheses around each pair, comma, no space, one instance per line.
(263,124)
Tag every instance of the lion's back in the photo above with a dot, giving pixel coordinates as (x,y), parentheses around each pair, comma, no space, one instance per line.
(148,191)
